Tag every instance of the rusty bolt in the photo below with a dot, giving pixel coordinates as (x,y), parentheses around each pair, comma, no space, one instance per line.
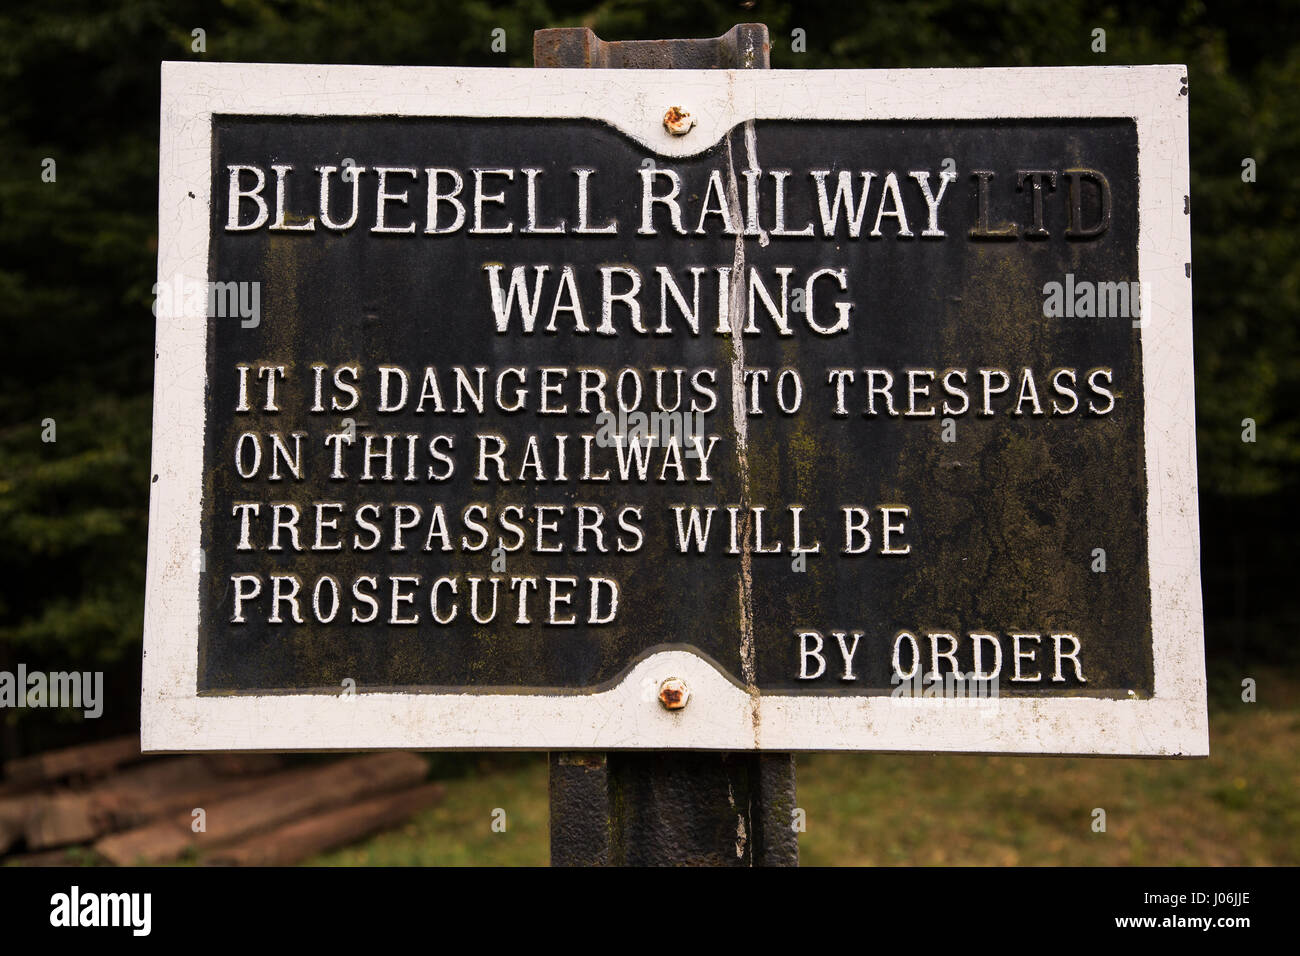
(673,693)
(677,121)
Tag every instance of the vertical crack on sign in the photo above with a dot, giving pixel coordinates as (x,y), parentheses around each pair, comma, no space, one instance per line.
(751,167)
(736,321)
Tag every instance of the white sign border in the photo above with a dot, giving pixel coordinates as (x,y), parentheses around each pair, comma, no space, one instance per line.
(721,714)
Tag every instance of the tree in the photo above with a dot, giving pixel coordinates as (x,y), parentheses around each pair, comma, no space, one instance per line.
(79,86)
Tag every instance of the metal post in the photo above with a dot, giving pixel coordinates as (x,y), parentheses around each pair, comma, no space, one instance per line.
(648,808)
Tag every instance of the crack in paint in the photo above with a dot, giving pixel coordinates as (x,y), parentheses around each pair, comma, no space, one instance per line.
(735,319)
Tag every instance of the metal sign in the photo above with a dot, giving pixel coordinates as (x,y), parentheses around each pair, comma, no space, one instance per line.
(693,409)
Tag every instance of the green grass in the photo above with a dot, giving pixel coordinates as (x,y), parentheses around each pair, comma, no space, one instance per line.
(1239,806)
(458,831)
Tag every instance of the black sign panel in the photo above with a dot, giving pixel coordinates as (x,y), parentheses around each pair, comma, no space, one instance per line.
(938,401)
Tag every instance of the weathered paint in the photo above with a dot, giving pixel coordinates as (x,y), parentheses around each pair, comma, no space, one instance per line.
(1167,715)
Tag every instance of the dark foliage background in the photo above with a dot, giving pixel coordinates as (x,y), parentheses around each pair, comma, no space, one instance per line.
(79,83)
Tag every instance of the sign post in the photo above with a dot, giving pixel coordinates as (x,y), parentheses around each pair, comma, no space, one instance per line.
(668,807)
(672,421)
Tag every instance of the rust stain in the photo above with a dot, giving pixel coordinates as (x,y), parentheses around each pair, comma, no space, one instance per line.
(677,121)
(673,693)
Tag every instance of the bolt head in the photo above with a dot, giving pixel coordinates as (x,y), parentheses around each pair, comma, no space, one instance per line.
(677,121)
(673,693)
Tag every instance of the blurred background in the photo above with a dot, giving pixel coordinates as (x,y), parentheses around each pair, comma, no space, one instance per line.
(79,84)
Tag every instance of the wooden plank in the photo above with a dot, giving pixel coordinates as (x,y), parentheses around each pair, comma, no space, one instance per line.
(14,813)
(10,789)
(283,798)
(133,800)
(140,794)
(296,841)
(87,760)
(58,819)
